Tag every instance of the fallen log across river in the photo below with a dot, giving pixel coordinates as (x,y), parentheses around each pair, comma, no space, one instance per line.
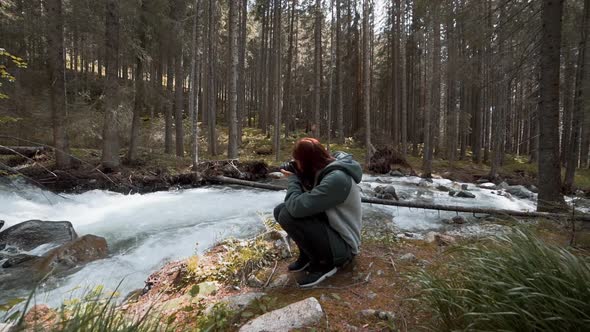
(497,212)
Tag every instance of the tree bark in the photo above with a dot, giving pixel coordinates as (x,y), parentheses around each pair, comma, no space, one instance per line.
(550,197)
(56,66)
(110,149)
(367,81)
(139,86)
(580,102)
(232,149)
(317,86)
(194,89)
(178,17)
(276,62)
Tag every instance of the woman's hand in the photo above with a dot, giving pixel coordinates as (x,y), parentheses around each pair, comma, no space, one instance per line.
(286,173)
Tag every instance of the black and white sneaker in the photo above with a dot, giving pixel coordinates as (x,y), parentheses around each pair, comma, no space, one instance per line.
(299,265)
(313,278)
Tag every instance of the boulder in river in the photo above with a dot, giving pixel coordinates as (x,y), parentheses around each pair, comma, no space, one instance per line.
(83,250)
(520,192)
(465,194)
(33,233)
(396,173)
(440,187)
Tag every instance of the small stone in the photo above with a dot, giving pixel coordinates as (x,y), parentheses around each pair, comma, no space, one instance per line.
(368,312)
(408,257)
(482,181)
(280,281)
(350,328)
(371,295)
(408,234)
(503,185)
(443,188)
(459,220)
(379,189)
(452,193)
(324,298)
(444,240)
(447,221)
(294,316)
(465,194)
(424,183)
(534,189)
(207,288)
(254,282)
(386,196)
(240,302)
(386,315)
(380,180)
(464,187)
(397,174)
(380,273)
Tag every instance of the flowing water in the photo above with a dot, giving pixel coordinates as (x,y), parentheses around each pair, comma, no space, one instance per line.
(145,231)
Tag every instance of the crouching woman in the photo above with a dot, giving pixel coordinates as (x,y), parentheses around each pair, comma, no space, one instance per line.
(322,210)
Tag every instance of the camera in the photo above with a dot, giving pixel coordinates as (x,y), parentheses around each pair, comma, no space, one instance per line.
(289,166)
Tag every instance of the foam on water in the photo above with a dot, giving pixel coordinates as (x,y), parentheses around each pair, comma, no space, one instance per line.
(143,231)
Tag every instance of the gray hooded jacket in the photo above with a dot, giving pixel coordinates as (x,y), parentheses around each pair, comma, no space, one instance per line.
(336,193)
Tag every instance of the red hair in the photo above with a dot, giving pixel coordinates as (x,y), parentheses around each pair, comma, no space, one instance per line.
(312,157)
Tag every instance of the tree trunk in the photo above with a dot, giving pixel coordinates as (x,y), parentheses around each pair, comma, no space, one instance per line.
(276,62)
(178,18)
(110,149)
(194,90)
(232,149)
(288,111)
(434,108)
(339,76)
(169,105)
(580,102)
(550,197)
(212,96)
(56,66)
(366,80)
(243,27)
(139,86)
(317,69)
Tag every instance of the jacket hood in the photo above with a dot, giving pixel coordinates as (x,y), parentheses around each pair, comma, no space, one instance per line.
(345,163)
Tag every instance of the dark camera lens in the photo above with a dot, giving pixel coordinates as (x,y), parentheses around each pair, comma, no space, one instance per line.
(289,166)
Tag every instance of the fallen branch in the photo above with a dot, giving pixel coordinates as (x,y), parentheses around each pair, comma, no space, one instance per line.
(28,151)
(453,208)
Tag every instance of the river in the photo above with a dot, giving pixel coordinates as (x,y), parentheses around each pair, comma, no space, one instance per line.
(145,231)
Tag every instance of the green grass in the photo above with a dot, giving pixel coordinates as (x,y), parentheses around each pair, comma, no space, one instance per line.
(512,283)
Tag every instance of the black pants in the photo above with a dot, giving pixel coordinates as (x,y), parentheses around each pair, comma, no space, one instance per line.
(315,238)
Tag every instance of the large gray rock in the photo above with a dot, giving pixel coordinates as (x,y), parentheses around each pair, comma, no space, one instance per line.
(294,316)
(520,192)
(33,233)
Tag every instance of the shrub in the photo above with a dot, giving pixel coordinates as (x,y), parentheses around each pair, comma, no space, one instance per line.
(514,282)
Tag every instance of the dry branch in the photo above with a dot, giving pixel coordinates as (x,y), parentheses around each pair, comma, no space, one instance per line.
(497,212)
